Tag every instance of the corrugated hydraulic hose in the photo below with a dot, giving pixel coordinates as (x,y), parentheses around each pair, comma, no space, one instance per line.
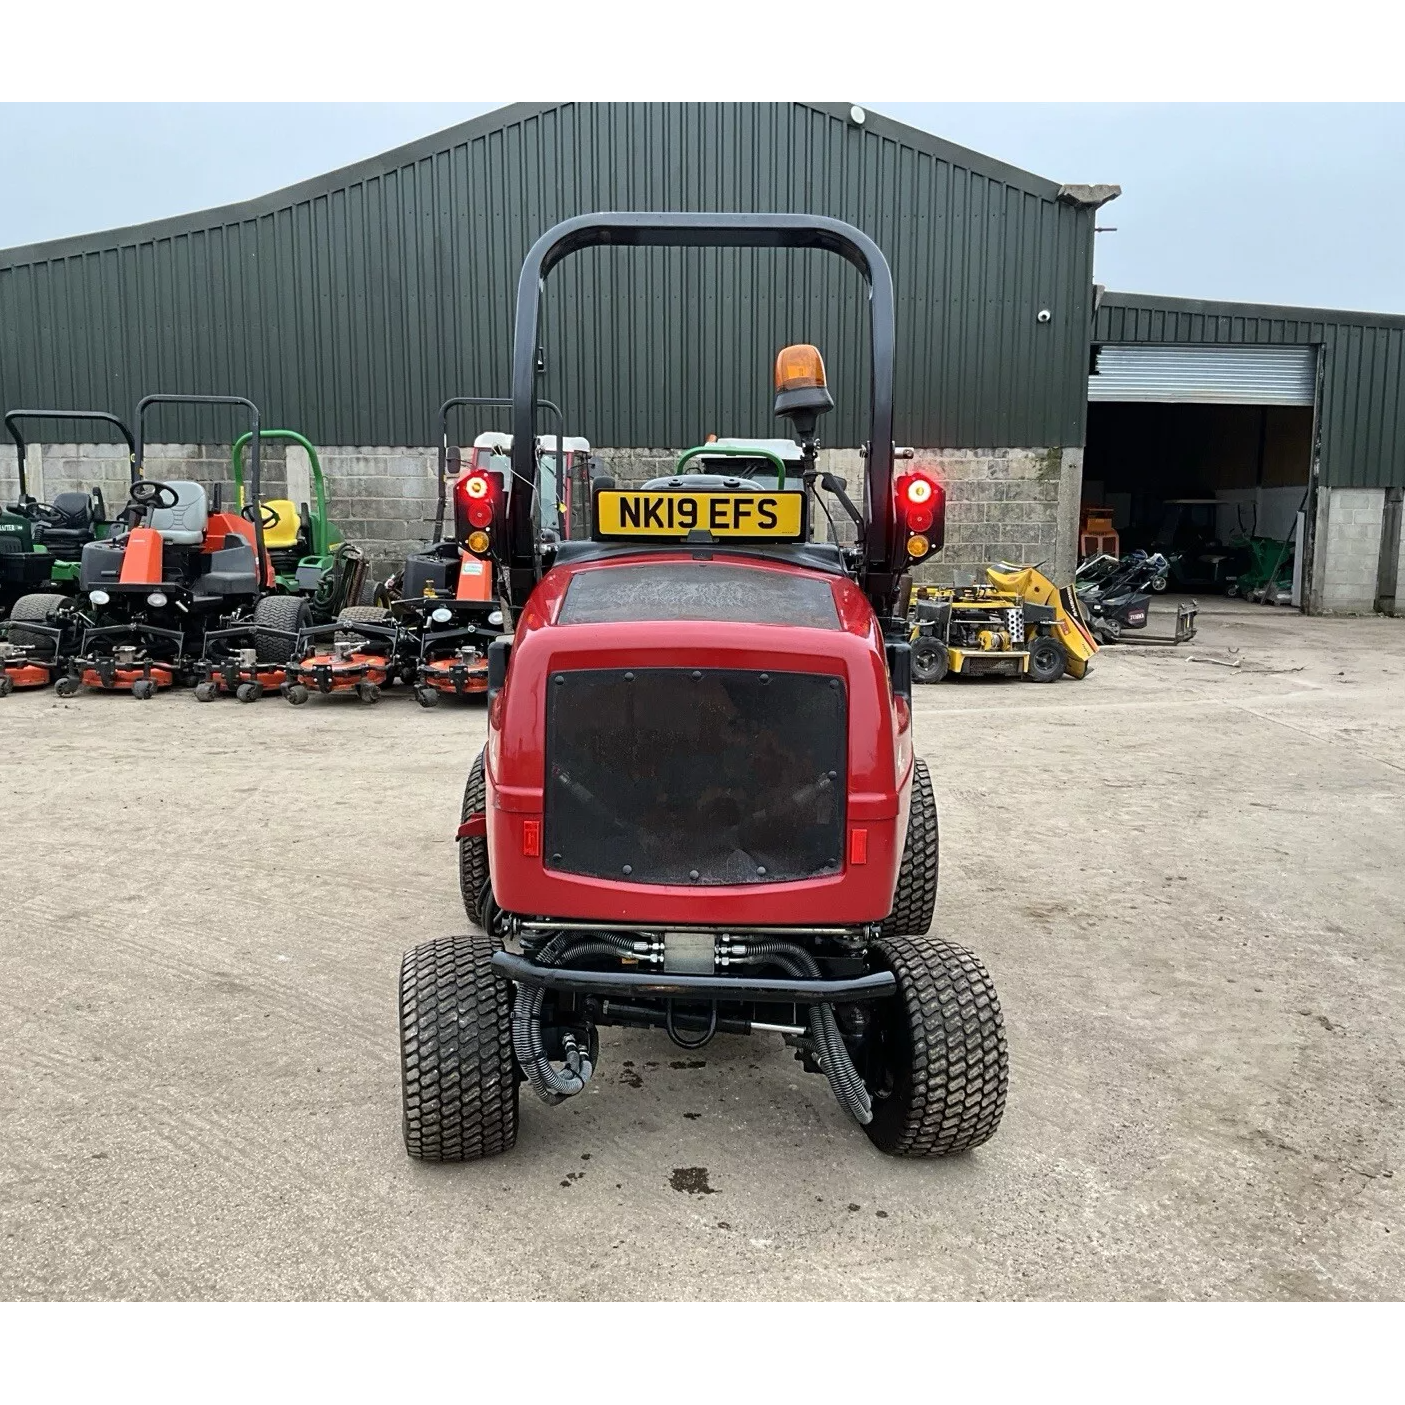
(833,1053)
(553,1085)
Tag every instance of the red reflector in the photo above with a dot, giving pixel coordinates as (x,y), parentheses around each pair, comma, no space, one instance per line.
(532,838)
(919,519)
(480,514)
(858,846)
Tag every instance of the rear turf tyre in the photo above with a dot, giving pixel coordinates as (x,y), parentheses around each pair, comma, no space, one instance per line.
(937,1065)
(474,874)
(287,614)
(929,661)
(34,609)
(1047,660)
(459,1082)
(916,897)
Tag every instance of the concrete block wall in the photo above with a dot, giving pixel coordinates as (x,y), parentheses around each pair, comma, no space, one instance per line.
(1347,550)
(1013,504)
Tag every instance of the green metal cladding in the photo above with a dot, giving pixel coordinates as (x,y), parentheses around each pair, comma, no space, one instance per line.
(1361,407)
(349,306)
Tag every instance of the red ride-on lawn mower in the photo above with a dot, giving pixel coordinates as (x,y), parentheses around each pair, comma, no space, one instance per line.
(168,571)
(699,809)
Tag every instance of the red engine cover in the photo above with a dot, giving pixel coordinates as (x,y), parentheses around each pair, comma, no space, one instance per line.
(879,755)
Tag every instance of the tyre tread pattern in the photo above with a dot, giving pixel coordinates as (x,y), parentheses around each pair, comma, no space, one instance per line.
(458,1076)
(364,614)
(280,612)
(473,852)
(960,1064)
(916,898)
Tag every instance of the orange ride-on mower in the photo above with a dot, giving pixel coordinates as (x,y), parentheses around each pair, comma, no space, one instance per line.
(445,599)
(41,545)
(170,570)
(699,810)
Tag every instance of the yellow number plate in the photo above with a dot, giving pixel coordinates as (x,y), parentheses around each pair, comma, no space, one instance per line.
(671,516)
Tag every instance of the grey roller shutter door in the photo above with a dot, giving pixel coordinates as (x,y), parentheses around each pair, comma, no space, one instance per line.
(1223,375)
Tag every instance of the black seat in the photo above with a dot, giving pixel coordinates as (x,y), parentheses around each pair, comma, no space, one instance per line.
(66,538)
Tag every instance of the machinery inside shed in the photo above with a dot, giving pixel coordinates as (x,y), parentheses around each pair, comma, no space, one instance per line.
(1205,455)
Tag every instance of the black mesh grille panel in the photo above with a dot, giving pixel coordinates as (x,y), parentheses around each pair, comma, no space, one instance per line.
(664,775)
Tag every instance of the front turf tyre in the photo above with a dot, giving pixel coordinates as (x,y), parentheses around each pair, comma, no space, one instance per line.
(929,661)
(937,1066)
(35,609)
(916,897)
(474,876)
(1047,660)
(459,1081)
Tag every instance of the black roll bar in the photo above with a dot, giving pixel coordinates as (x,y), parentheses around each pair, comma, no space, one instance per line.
(255,481)
(13,417)
(880,571)
(502,402)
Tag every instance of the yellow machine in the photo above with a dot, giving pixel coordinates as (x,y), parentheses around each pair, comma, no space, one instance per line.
(1016,622)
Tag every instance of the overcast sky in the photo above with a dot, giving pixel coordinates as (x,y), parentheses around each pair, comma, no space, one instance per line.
(1291,203)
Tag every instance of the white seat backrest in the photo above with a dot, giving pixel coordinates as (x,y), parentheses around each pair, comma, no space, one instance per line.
(185,523)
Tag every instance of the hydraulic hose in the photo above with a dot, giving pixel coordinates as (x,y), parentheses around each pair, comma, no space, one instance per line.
(830,1048)
(553,1085)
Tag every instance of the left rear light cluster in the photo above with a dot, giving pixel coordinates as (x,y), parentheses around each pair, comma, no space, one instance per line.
(921,514)
(476,507)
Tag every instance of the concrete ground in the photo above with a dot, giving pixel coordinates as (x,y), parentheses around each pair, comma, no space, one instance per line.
(1188,881)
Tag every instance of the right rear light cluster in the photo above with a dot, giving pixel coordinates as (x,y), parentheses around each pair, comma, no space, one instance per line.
(477,508)
(921,514)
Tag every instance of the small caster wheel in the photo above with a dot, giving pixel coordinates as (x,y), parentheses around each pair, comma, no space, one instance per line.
(7,685)
(67,687)
(249,692)
(206,691)
(368,692)
(427,696)
(295,693)
(143,689)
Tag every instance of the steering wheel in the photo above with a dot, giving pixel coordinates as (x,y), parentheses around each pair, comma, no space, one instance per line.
(268,517)
(147,492)
(42,512)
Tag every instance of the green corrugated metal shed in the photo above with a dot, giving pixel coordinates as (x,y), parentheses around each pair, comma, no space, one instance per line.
(351,304)
(1361,379)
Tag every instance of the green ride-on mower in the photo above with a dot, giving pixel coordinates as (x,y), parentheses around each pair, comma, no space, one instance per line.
(40,548)
(317,574)
(699,810)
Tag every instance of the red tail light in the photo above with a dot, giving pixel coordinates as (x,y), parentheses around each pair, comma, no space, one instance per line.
(922,513)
